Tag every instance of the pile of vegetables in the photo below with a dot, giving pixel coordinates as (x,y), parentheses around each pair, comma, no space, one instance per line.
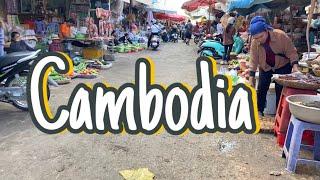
(234,64)
(60,78)
(89,71)
(80,67)
(84,72)
(127,48)
(244,57)
(80,71)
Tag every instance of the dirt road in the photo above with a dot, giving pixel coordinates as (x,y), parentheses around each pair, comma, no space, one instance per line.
(27,153)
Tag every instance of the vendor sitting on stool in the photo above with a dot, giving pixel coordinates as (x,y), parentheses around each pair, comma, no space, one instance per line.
(274,53)
(55,45)
(125,39)
(115,38)
(17,45)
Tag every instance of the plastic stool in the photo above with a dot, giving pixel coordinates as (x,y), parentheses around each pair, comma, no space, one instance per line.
(283,115)
(293,143)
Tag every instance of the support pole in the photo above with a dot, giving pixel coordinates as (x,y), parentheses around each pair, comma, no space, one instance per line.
(130,7)
(291,22)
(311,10)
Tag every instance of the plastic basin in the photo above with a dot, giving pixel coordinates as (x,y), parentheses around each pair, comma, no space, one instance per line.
(304,113)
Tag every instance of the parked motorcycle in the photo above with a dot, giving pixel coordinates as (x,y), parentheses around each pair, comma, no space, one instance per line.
(164,36)
(174,37)
(155,42)
(214,48)
(198,37)
(210,37)
(14,71)
(211,48)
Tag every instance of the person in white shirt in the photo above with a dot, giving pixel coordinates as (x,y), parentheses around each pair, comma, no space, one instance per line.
(155,30)
(219,30)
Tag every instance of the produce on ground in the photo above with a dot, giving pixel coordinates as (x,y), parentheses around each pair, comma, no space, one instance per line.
(130,48)
(308,79)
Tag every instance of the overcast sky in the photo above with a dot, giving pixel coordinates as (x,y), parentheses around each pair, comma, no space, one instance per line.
(174,5)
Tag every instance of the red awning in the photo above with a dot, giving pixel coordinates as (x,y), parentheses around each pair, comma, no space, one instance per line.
(195,4)
(171,17)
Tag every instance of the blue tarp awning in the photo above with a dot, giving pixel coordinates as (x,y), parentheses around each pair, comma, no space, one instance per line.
(245,7)
(244,4)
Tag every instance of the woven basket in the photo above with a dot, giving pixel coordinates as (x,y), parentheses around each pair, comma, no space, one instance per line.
(87,76)
(65,81)
(316,72)
(233,56)
(297,84)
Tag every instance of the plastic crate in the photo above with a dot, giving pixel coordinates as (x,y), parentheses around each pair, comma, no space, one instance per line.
(92,53)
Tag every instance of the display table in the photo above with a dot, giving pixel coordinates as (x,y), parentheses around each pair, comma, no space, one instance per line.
(93,48)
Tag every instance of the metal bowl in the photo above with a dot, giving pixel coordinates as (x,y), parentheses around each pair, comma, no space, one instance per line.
(304,113)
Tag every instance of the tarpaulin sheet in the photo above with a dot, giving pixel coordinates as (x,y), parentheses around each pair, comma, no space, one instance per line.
(244,4)
(254,5)
(193,5)
(172,17)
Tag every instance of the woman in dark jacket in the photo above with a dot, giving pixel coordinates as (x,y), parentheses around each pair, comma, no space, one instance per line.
(228,34)
(17,45)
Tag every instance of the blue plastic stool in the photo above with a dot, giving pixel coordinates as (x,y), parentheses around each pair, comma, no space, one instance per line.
(293,143)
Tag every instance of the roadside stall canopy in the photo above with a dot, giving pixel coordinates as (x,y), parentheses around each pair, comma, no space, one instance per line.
(244,4)
(253,9)
(171,17)
(193,5)
(245,7)
(161,7)
(201,12)
(145,2)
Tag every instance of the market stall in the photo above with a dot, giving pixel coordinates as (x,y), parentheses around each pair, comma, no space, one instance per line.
(169,17)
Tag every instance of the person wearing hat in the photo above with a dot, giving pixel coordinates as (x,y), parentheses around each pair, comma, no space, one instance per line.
(55,45)
(125,39)
(273,52)
(227,35)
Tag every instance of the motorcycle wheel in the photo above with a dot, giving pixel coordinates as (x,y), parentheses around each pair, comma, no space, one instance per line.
(203,54)
(196,40)
(21,81)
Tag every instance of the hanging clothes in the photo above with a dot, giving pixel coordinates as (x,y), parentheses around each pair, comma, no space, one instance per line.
(103,27)
(92,28)
(40,27)
(12,6)
(102,13)
(53,28)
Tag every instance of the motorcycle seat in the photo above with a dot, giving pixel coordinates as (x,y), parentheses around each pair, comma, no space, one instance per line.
(13,58)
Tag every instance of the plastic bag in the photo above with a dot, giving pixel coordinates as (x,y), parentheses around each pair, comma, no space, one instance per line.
(137,174)
(238,44)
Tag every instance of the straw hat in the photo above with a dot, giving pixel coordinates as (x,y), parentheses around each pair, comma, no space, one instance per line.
(55,37)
